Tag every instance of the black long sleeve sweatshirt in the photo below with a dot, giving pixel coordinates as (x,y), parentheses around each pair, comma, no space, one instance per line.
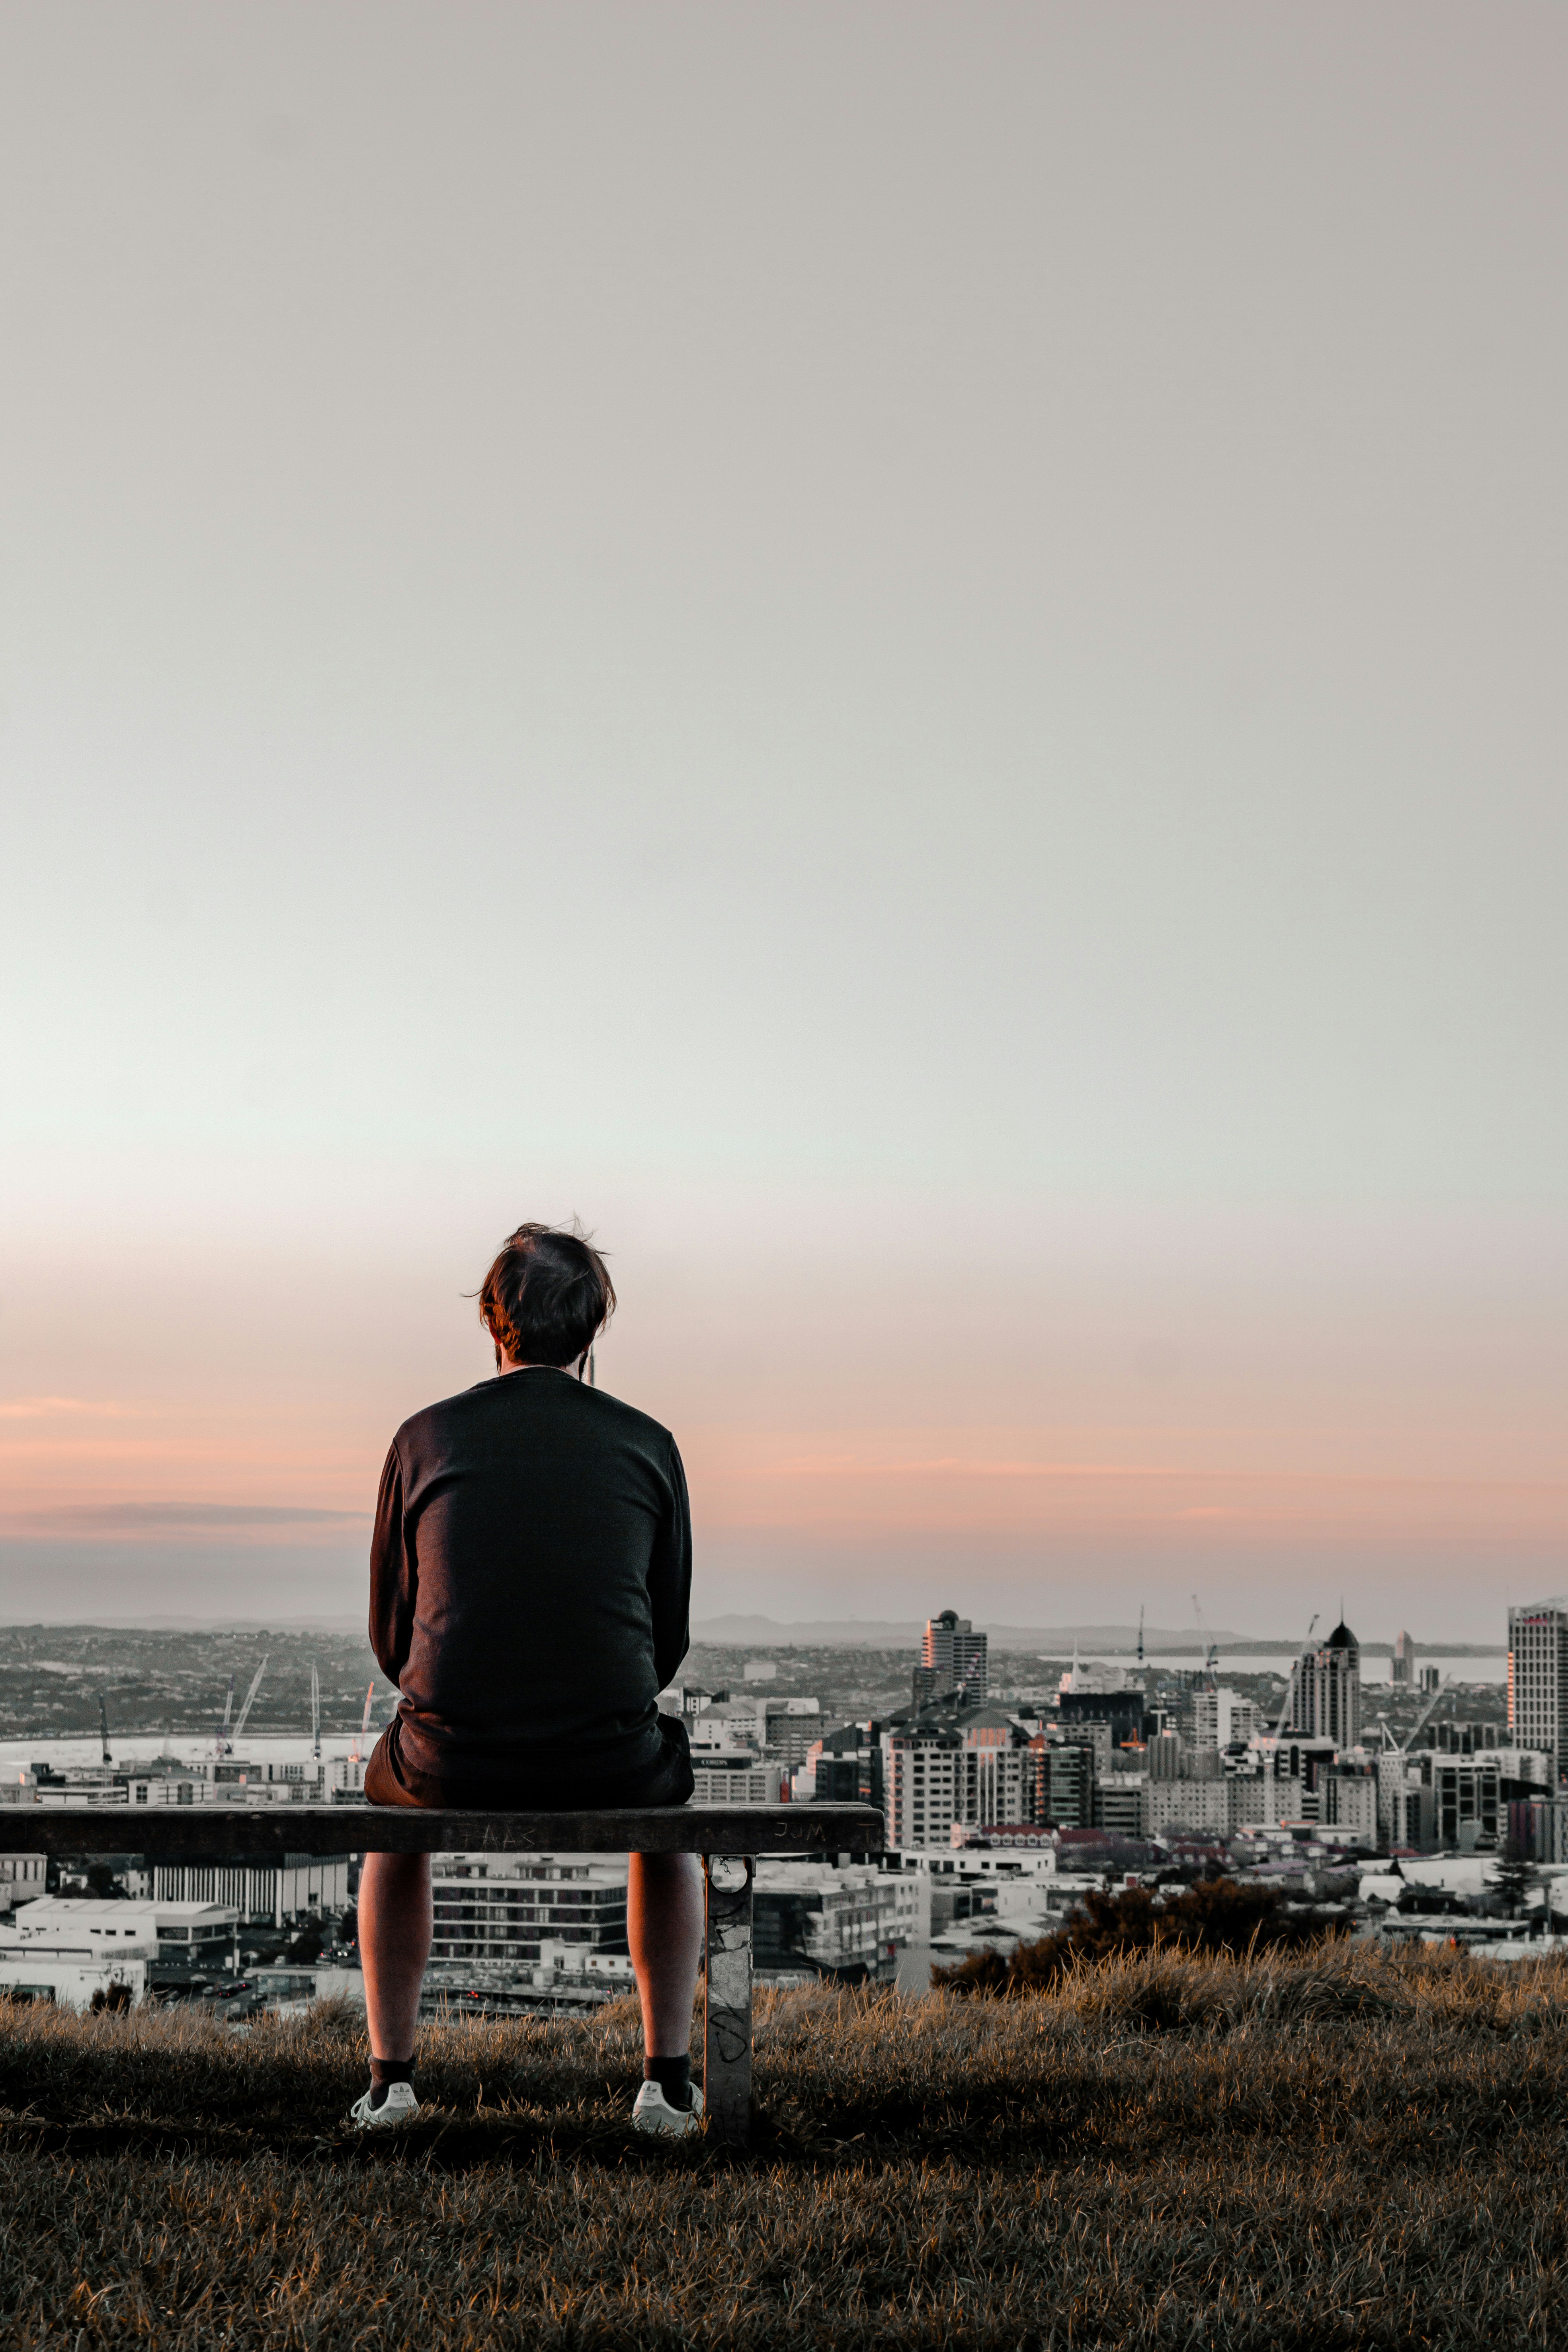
(530,1581)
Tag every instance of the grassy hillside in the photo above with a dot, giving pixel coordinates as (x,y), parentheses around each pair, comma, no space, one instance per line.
(1303,2152)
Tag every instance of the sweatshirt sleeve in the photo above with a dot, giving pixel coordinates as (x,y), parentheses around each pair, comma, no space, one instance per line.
(669,1578)
(393,1578)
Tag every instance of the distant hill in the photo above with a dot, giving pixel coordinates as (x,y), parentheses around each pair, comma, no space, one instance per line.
(739,1631)
(890,1633)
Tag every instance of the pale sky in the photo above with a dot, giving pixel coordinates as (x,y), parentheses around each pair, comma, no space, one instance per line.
(910,656)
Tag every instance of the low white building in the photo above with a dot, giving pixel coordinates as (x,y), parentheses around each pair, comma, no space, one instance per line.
(68,1951)
(21,1877)
(734,1780)
(70,1970)
(263,1890)
(166,1930)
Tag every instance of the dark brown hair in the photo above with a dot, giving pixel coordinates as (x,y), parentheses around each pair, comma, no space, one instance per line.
(547,1296)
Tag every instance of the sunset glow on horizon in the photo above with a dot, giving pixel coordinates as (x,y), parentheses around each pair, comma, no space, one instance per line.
(928,691)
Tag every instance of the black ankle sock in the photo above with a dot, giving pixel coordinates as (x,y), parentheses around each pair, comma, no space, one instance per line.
(385,2071)
(673,2077)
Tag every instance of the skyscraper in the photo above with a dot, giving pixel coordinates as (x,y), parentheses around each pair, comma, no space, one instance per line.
(956,1654)
(1401,1674)
(1325,1690)
(1538,1677)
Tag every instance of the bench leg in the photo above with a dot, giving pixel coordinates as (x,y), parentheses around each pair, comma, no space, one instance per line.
(727,2019)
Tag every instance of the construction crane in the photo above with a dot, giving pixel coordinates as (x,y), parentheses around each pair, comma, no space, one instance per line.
(357,1750)
(1284,1708)
(249,1703)
(220,1745)
(315,1714)
(1210,1649)
(103,1728)
(1421,1719)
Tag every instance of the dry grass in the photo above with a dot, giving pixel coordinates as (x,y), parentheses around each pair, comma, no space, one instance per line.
(1327,2151)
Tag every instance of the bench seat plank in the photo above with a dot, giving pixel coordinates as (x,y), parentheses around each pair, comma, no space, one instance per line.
(200,1833)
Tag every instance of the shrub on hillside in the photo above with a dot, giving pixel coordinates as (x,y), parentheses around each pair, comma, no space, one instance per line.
(1214,1917)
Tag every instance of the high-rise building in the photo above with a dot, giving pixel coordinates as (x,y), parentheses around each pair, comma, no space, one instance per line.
(1063,1783)
(922,1780)
(998,1777)
(974,1765)
(1222,1717)
(1538,1677)
(1402,1672)
(1325,1690)
(956,1654)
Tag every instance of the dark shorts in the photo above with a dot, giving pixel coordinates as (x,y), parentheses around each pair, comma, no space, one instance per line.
(389,1780)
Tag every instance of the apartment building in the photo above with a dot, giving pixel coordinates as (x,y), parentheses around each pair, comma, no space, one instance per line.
(1064,1777)
(1222,1717)
(1206,1806)
(1348,1802)
(506,1907)
(1121,1804)
(923,1776)
(1538,1677)
(816,1920)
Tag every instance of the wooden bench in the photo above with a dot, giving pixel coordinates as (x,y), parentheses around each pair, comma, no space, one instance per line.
(728,1838)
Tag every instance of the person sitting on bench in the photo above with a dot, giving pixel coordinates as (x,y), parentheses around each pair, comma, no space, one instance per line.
(531,1579)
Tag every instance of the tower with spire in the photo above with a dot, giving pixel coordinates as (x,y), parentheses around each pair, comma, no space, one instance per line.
(1325,1690)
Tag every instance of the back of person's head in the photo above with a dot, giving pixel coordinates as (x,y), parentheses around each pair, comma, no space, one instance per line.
(547,1296)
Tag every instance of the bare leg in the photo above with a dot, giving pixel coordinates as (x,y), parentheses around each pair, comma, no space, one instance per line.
(664,1929)
(394,1943)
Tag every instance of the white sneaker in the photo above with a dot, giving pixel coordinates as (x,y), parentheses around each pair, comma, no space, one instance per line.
(399,2106)
(652,2112)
